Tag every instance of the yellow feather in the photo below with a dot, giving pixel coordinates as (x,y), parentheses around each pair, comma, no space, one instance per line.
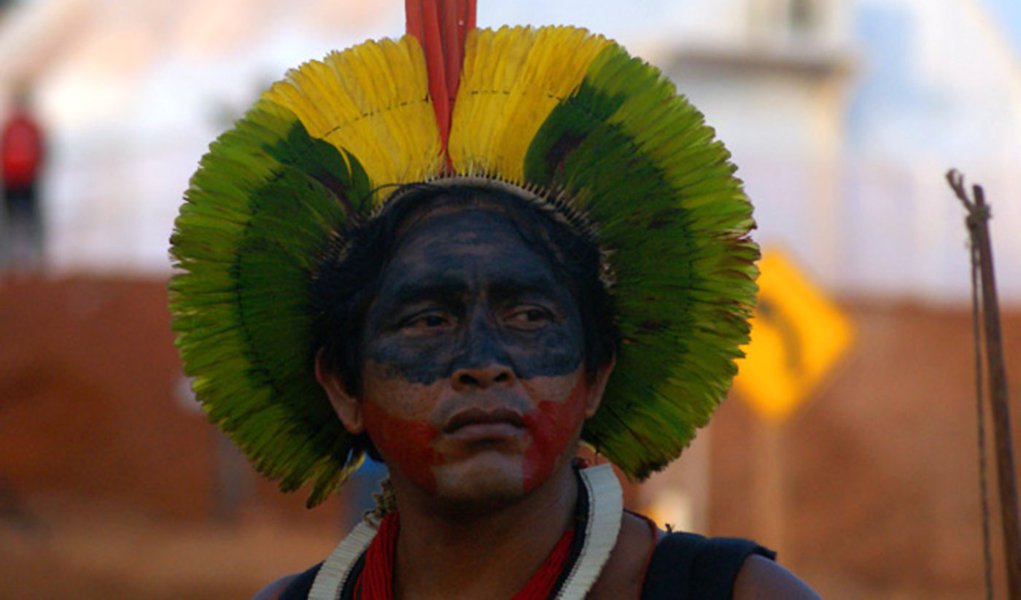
(379,110)
(512,79)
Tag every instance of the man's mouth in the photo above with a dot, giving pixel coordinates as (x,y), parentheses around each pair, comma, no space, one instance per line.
(472,422)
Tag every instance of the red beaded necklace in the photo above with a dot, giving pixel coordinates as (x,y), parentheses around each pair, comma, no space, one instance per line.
(375,582)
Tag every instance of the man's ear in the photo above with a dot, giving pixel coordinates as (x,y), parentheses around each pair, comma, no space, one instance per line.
(344,404)
(598,387)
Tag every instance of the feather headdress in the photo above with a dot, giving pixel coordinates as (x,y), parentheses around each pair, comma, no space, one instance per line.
(553,108)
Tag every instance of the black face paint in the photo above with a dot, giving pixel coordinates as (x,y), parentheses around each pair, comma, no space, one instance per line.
(465,290)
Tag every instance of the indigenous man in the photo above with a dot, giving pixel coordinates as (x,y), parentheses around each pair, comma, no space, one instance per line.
(466,295)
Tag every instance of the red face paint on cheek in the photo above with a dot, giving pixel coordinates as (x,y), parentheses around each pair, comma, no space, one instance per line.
(552,427)
(406,444)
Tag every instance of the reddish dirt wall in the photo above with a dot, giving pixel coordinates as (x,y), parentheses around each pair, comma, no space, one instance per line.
(88,375)
(880,466)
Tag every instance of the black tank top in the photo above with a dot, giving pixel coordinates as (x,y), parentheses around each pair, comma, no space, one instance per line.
(684,566)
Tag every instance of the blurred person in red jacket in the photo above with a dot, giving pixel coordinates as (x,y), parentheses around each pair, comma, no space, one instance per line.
(22,154)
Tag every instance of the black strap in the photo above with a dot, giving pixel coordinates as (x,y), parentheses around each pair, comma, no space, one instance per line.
(689,566)
(301,585)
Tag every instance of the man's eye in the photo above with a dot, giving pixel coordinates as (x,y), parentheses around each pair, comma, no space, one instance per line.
(427,321)
(530,317)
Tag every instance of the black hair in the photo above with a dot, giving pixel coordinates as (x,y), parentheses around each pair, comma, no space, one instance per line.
(349,278)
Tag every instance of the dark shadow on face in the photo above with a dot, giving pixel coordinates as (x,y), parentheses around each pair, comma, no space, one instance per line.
(464,290)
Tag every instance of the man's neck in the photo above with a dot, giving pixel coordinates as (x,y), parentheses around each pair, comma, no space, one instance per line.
(443,553)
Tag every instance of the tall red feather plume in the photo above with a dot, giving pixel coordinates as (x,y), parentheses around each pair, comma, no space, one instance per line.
(441,27)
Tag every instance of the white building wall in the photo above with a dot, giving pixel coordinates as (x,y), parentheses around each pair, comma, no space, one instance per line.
(134,95)
(938,89)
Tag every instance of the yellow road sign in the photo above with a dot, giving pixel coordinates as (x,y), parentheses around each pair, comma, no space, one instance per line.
(798,334)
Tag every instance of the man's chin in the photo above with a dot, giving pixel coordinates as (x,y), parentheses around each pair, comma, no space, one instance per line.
(484,481)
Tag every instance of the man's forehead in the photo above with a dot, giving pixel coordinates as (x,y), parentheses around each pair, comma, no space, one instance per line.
(464,229)
(463,202)
(468,247)
(468,242)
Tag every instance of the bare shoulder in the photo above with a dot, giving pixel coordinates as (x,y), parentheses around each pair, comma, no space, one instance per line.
(273,590)
(763,579)
(622,576)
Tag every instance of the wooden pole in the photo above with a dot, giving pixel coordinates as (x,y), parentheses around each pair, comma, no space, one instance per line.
(978,228)
(770,485)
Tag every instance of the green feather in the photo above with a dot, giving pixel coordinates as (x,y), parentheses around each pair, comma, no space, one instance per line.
(683,265)
(258,218)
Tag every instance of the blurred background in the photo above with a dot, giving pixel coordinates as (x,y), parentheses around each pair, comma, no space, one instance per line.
(849,442)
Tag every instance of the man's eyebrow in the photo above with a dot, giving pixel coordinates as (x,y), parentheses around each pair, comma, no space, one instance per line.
(439,288)
(536,284)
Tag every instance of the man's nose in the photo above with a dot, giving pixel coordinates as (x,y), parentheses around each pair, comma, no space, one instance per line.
(482,377)
(483,362)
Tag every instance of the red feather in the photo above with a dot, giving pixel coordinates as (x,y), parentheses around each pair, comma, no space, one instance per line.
(441,27)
